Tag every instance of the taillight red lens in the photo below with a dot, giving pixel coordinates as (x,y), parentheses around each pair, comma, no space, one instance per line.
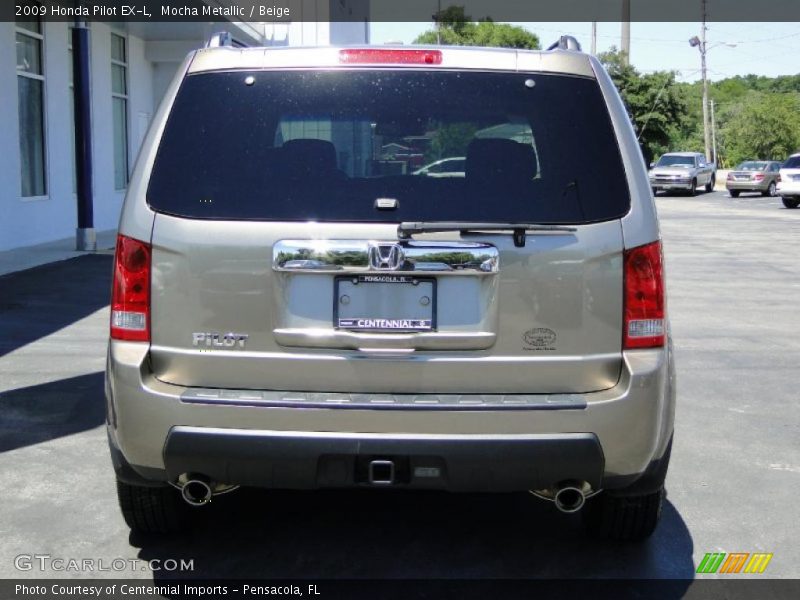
(758,177)
(644,297)
(377,56)
(730,176)
(130,291)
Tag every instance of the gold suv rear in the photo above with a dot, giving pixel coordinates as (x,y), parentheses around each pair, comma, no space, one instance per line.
(300,303)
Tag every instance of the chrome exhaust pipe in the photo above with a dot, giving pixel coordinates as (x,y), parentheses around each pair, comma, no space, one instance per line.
(197,490)
(569,498)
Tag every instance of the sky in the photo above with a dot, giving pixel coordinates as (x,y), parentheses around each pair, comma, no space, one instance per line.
(769,49)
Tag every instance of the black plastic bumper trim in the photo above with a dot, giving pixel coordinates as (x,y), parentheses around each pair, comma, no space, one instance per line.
(305,460)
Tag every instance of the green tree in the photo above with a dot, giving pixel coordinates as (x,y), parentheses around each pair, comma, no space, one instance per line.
(766,126)
(450,139)
(741,103)
(455,28)
(656,105)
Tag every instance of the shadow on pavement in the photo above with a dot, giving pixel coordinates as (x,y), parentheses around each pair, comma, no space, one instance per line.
(36,302)
(386,534)
(44,412)
(327,534)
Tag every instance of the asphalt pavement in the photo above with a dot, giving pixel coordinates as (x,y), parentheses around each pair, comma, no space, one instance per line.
(733,281)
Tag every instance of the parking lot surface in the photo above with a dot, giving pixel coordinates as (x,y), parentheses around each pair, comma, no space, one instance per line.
(733,279)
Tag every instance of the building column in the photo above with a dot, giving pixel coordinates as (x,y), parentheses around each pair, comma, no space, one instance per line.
(85,238)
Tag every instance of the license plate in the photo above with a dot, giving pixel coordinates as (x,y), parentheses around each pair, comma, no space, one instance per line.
(383,302)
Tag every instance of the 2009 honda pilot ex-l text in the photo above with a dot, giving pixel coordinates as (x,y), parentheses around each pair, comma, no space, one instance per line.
(297,304)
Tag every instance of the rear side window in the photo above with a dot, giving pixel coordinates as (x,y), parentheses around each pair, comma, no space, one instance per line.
(793,162)
(325,145)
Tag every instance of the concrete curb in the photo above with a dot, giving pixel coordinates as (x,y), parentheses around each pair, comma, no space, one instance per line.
(27,257)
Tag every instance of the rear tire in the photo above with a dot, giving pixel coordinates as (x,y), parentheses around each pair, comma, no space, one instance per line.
(623,518)
(710,184)
(770,190)
(693,189)
(791,202)
(152,509)
(734,193)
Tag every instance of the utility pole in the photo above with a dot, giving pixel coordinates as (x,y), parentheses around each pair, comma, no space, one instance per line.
(714,135)
(706,128)
(625,44)
(700,44)
(438,22)
(594,38)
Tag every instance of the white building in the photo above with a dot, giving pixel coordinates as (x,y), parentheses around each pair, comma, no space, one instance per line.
(130,67)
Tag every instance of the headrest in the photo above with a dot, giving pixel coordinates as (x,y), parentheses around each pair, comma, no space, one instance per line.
(309,156)
(500,161)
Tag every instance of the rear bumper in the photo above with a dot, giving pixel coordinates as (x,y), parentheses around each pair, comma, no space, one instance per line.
(294,460)
(789,188)
(608,438)
(673,185)
(747,186)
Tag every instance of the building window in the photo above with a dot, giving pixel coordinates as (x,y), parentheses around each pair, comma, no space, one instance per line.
(30,94)
(119,99)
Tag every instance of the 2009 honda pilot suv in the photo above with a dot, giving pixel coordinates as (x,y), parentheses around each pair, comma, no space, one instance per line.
(293,307)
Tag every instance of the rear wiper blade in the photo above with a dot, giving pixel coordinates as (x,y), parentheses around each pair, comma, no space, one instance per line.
(519,230)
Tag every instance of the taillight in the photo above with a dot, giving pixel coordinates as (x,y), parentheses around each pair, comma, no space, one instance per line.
(130,291)
(758,177)
(644,297)
(730,176)
(377,56)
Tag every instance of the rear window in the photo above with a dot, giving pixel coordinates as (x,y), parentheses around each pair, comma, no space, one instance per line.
(326,145)
(672,160)
(752,165)
(793,162)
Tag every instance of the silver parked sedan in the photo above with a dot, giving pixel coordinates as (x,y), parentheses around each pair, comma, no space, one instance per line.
(754,176)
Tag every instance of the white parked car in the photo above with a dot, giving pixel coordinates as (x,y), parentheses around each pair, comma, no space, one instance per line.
(453,166)
(789,182)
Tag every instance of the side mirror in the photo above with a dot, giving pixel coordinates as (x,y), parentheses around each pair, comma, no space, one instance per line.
(652,165)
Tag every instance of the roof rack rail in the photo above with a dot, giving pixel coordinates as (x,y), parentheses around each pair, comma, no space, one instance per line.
(566,42)
(219,39)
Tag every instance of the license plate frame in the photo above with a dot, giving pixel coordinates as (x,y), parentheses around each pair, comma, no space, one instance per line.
(374,323)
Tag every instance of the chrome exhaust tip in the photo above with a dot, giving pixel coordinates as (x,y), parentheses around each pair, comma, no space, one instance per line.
(196,491)
(569,498)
